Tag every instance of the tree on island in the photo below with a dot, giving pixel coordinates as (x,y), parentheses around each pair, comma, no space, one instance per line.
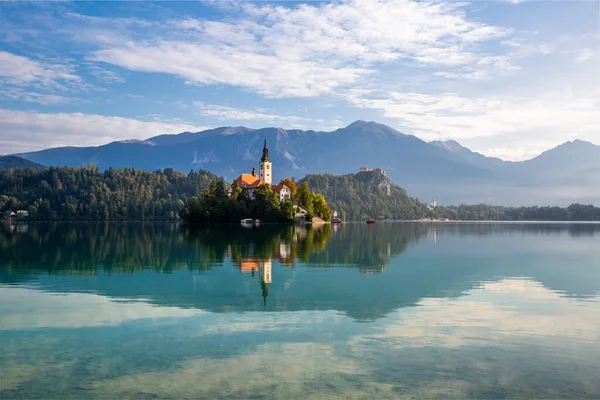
(215,205)
(315,203)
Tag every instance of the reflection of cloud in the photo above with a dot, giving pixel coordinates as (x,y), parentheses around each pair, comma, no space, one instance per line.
(274,371)
(15,375)
(22,309)
(264,322)
(498,310)
(317,354)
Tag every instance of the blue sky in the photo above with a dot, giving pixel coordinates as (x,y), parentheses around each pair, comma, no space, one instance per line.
(506,78)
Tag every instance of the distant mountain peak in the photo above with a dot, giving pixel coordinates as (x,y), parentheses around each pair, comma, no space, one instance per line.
(579,142)
(358,122)
(371,127)
(450,145)
(570,146)
(185,137)
(362,123)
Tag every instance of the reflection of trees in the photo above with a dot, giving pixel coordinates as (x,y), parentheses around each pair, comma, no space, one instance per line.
(368,248)
(285,243)
(126,248)
(352,245)
(114,248)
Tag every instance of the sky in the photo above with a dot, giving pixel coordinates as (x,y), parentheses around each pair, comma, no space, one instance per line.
(507,78)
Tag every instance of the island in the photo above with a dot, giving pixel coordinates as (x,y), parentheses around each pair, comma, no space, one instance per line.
(254,197)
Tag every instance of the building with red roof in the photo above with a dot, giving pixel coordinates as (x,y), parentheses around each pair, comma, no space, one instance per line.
(252,181)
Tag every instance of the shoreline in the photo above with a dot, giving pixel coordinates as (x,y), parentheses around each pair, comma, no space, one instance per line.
(20,222)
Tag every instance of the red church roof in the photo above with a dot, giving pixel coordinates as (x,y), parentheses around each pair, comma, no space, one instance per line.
(256,184)
(247,179)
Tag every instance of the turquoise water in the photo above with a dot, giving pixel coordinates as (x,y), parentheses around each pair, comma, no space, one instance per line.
(395,310)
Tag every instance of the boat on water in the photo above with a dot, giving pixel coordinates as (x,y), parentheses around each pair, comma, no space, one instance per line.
(370,221)
(336,219)
(250,221)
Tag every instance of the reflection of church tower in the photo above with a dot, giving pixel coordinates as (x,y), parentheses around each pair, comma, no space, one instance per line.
(264,166)
(265,279)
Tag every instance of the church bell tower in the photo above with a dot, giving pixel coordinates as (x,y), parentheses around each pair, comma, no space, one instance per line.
(265,166)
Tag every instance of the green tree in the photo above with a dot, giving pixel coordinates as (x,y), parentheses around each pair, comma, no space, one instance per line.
(287,211)
(320,207)
(304,195)
(265,204)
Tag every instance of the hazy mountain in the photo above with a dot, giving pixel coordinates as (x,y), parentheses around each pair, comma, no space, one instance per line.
(229,151)
(7,162)
(567,160)
(471,157)
(445,170)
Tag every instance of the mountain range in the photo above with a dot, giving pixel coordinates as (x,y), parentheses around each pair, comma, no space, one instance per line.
(447,171)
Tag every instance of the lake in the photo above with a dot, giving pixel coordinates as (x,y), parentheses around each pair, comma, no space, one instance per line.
(394,310)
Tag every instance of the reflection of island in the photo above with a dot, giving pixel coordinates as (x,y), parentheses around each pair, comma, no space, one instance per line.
(295,268)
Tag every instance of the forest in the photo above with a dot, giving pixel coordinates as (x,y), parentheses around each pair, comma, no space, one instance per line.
(127,194)
(365,195)
(484,212)
(372,195)
(86,193)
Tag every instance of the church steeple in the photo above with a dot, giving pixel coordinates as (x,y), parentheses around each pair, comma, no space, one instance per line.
(264,166)
(265,269)
(265,156)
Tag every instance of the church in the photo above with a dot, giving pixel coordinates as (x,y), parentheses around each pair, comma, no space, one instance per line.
(264,177)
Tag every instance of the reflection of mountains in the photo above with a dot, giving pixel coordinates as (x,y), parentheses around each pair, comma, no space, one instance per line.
(254,267)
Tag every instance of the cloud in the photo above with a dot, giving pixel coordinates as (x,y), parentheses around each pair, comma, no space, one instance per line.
(444,50)
(307,50)
(237,114)
(520,119)
(39,81)
(514,153)
(22,131)
(16,93)
(524,50)
(485,68)
(584,55)
(105,75)
(206,64)
(22,71)
(226,113)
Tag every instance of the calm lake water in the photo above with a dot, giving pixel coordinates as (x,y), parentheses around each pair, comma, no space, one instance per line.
(395,310)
